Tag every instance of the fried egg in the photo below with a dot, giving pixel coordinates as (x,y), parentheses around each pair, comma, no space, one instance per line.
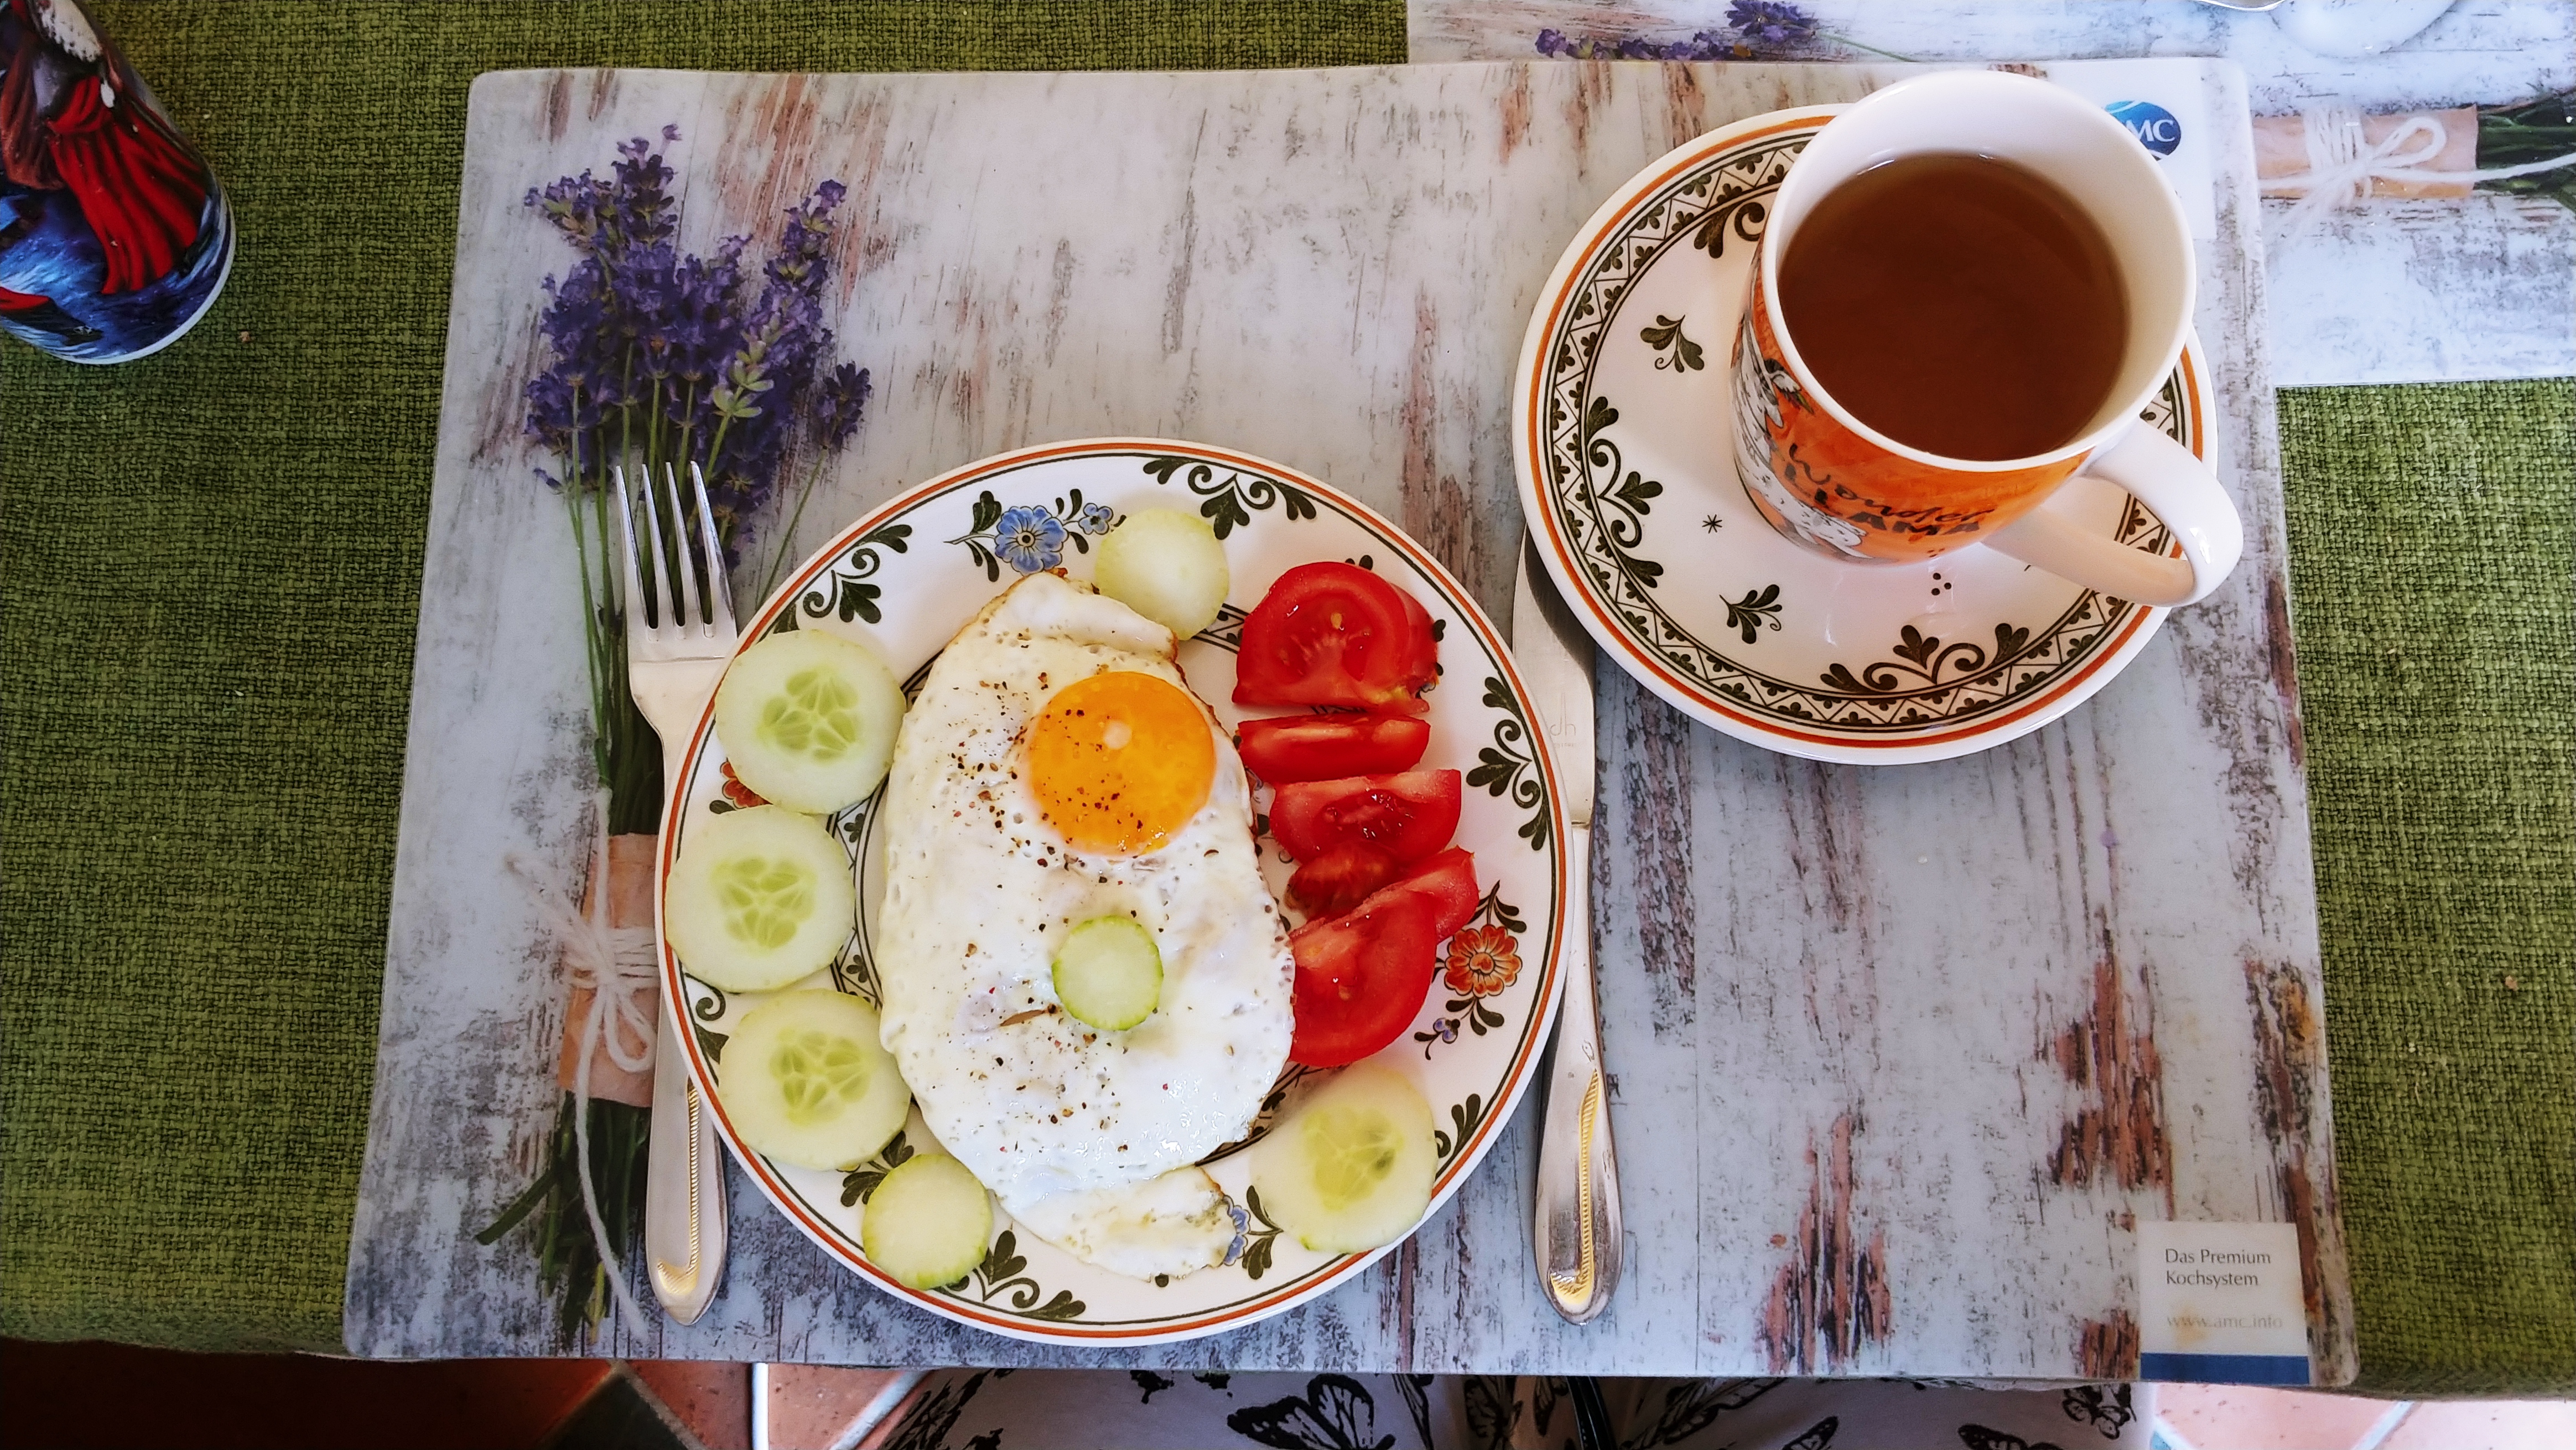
(1170,1224)
(1054,769)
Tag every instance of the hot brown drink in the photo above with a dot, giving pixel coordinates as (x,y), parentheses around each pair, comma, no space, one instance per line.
(1959,304)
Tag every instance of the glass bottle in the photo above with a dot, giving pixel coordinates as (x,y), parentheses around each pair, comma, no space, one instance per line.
(114,235)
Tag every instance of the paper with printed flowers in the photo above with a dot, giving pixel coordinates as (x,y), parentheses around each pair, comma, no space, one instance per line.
(661,365)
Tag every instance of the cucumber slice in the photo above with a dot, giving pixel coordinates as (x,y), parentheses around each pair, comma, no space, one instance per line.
(1109,973)
(806,1081)
(1167,566)
(808,719)
(759,898)
(1351,1168)
(928,1223)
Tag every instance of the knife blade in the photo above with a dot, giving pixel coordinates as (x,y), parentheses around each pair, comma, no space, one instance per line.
(1576,1227)
(684,1199)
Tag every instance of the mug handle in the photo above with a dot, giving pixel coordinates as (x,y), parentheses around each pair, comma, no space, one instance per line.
(2166,477)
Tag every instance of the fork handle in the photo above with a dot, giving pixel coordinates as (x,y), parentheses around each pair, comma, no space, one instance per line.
(684,1197)
(684,1187)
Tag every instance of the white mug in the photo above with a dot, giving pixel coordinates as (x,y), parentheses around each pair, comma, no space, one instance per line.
(1893,503)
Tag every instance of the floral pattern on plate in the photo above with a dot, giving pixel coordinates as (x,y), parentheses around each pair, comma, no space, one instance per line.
(994,521)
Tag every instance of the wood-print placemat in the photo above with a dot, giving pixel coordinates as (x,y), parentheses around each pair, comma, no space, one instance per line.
(1901,1055)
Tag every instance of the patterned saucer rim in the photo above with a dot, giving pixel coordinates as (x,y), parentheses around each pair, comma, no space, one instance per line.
(1540,442)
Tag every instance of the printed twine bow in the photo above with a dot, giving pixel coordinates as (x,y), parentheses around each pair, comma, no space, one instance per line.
(2342,164)
(615,964)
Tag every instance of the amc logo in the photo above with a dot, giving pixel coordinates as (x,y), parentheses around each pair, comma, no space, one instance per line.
(2153,125)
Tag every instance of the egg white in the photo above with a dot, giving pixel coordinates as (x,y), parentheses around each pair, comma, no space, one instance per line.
(1168,1225)
(979,889)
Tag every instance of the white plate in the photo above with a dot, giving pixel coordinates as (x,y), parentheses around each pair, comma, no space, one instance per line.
(906,578)
(1621,436)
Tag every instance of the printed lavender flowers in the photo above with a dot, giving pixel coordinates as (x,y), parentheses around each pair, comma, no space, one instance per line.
(660,357)
(1770,24)
(1754,30)
(657,357)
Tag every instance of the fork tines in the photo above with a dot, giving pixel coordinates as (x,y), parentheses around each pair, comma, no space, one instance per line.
(676,568)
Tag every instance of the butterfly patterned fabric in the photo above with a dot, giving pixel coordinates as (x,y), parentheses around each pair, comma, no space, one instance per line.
(1042,1409)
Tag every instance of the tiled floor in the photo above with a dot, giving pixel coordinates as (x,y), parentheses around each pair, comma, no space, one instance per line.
(819,1407)
(712,1402)
(2218,1417)
(109,1396)
(103,1395)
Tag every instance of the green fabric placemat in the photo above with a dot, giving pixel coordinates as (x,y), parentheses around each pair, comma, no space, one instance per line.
(2433,579)
(209,568)
(208,563)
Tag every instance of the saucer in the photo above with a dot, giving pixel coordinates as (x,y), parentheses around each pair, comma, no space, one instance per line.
(1622,436)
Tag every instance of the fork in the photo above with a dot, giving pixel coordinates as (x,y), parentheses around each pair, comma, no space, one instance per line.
(672,666)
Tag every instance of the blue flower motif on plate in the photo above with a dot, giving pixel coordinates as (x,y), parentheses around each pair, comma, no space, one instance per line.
(1030,537)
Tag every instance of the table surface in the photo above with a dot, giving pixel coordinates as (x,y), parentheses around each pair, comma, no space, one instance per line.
(207,803)
(1821,1067)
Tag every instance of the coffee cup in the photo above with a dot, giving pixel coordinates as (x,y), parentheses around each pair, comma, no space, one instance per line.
(1831,479)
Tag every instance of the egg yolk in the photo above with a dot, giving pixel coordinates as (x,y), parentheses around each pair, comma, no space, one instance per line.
(1120,761)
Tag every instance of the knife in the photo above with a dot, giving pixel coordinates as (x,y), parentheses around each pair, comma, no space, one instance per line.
(684,1210)
(1576,1227)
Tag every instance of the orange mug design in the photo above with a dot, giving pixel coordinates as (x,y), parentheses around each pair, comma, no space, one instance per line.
(1800,464)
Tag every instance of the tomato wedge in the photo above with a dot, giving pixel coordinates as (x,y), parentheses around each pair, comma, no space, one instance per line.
(1341,878)
(1335,634)
(1361,978)
(1426,658)
(1408,816)
(1448,882)
(1324,747)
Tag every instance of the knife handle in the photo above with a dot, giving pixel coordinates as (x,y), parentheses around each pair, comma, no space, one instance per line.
(1576,1227)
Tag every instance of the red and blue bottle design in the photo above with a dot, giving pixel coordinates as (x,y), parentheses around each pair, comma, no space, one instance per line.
(114,235)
